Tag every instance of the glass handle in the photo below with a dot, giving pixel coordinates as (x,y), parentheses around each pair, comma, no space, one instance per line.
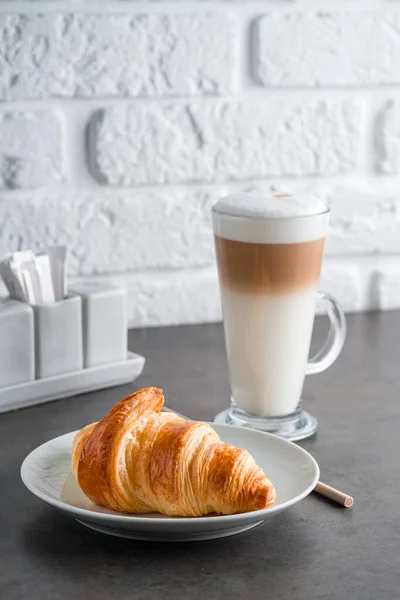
(334,341)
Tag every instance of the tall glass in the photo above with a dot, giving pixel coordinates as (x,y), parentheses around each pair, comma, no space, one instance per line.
(269,269)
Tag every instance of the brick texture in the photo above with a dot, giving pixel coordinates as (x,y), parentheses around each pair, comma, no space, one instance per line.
(170,298)
(343,282)
(387,287)
(114,234)
(213,142)
(118,130)
(95,55)
(327,48)
(363,223)
(387,138)
(30,149)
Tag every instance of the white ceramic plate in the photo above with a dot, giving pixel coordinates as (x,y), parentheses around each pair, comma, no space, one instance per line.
(46,472)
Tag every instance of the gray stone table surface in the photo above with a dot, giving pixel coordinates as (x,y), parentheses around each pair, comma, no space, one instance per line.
(315,550)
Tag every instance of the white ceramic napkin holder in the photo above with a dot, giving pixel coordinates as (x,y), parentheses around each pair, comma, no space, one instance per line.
(57,350)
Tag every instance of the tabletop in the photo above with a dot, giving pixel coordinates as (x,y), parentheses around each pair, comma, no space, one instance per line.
(315,550)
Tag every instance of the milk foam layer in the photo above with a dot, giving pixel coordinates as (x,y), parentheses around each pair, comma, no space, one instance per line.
(262,206)
(275,219)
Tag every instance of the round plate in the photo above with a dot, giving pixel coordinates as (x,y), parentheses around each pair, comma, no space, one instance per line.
(46,472)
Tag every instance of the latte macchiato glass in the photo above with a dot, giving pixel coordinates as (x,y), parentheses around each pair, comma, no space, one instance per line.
(269,253)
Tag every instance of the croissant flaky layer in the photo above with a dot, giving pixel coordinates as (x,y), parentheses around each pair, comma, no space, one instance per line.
(137,460)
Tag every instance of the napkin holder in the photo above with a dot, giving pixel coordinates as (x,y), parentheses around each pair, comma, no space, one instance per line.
(60,349)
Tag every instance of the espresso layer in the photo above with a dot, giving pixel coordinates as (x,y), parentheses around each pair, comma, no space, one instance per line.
(268,268)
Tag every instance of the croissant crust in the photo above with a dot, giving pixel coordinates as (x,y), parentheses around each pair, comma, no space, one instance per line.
(138,460)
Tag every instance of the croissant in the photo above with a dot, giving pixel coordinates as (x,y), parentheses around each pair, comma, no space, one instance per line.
(137,460)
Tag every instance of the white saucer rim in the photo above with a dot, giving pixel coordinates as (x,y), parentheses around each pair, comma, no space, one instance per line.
(120,519)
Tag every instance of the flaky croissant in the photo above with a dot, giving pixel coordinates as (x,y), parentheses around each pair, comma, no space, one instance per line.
(137,460)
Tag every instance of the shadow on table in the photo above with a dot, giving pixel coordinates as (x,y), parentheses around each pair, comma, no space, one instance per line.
(53,536)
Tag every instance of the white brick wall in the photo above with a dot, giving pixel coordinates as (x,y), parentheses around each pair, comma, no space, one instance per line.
(224,141)
(328,49)
(122,121)
(94,56)
(30,149)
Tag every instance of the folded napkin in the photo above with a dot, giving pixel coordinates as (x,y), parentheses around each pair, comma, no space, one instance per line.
(36,278)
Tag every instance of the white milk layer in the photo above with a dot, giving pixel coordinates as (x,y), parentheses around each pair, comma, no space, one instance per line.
(267,342)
